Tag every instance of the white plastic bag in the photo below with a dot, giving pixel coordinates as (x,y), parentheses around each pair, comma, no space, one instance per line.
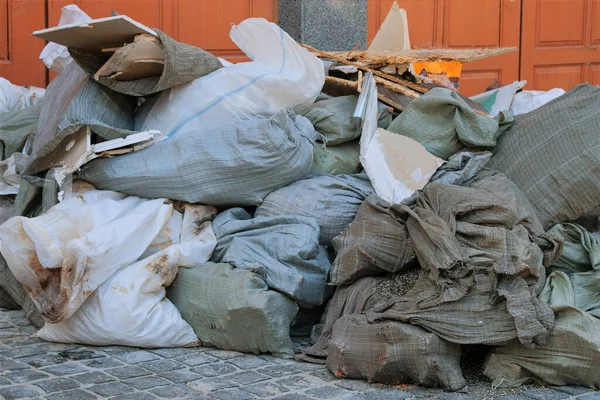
(498,100)
(14,97)
(56,56)
(131,308)
(529,100)
(282,74)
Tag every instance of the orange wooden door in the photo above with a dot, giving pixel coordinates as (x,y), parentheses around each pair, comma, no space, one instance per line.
(560,43)
(19,50)
(462,23)
(202,23)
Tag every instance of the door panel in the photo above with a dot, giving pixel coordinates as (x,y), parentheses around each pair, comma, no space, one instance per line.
(462,23)
(560,43)
(19,51)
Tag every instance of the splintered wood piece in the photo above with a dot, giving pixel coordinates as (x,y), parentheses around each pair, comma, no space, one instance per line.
(142,58)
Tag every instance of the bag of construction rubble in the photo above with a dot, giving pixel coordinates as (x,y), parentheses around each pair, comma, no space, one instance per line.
(334,119)
(331,200)
(393,352)
(73,101)
(16,127)
(481,256)
(168,63)
(444,124)
(238,163)
(343,159)
(282,74)
(553,153)
(572,354)
(282,250)
(377,241)
(233,309)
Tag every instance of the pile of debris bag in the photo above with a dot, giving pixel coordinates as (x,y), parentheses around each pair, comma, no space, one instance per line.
(157,196)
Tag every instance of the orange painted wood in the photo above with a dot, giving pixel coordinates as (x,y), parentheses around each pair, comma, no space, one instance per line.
(560,43)
(19,51)
(462,23)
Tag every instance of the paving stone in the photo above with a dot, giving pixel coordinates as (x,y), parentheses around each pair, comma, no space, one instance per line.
(76,394)
(27,330)
(9,333)
(93,378)
(301,382)
(574,390)
(327,392)
(131,371)
(102,363)
(22,321)
(173,391)
(5,324)
(43,360)
(22,352)
(248,362)
(214,369)
(277,371)
(111,389)
(383,394)
(79,354)
(232,394)
(545,394)
(21,392)
(147,382)
(208,385)
(181,376)
(247,377)
(172,352)
(293,396)
(135,396)
(25,375)
(324,375)
(455,396)
(512,397)
(10,365)
(68,368)
(57,384)
(136,357)
(224,354)
(265,389)
(590,396)
(196,359)
(4,381)
(354,384)
(274,360)
(159,366)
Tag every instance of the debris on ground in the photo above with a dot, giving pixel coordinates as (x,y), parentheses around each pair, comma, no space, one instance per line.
(156,195)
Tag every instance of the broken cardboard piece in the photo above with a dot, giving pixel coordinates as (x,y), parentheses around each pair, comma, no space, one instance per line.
(97,34)
(76,150)
(143,58)
(396,165)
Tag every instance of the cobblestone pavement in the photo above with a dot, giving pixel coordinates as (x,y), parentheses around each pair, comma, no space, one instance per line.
(31,368)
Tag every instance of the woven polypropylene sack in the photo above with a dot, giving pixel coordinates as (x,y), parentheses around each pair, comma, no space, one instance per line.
(332,200)
(375,243)
(342,159)
(282,250)
(571,356)
(393,352)
(183,63)
(72,101)
(234,165)
(553,155)
(232,309)
(15,128)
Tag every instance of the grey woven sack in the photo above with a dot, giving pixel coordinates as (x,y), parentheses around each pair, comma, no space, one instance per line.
(444,124)
(553,155)
(334,119)
(282,250)
(13,295)
(331,200)
(343,159)
(72,101)
(183,63)
(15,128)
(233,165)
(393,353)
(232,309)
(375,243)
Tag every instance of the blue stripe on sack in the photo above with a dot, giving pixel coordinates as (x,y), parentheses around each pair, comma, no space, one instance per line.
(231,93)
